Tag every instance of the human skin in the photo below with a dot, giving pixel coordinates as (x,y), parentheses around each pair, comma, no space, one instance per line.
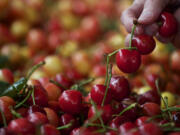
(147,12)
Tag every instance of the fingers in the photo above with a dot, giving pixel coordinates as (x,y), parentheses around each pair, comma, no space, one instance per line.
(132,13)
(151,29)
(151,11)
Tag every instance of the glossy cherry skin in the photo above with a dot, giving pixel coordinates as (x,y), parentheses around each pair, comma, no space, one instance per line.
(169,25)
(98,92)
(128,61)
(40,96)
(84,131)
(149,96)
(21,126)
(71,101)
(106,112)
(120,87)
(141,120)
(37,118)
(126,127)
(36,108)
(48,129)
(145,44)
(7,75)
(151,109)
(117,121)
(150,129)
(66,119)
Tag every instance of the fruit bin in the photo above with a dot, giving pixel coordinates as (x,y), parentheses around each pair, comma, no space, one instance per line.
(65,70)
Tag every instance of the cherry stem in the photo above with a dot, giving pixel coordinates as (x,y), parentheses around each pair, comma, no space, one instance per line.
(126,109)
(153,117)
(175,129)
(34,68)
(57,84)
(84,82)
(64,127)
(24,100)
(132,32)
(17,115)
(165,100)
(32,95)
(169,124)
(171,109)
(3,118)
(99,116)
(108,82)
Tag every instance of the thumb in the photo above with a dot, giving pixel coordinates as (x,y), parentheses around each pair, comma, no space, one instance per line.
(151,11)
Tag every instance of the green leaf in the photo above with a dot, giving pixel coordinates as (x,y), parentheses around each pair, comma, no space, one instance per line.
(14,89)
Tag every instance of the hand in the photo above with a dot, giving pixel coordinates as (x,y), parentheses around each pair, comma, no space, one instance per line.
(147,12)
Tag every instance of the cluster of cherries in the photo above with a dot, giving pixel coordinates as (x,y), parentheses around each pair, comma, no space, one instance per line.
(129,60)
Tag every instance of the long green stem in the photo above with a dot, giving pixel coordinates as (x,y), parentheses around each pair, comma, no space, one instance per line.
(98,125)
(17,115)
(57,84)
(25,99)
(132,33)
(33,98)
(126,109)
(107,86)
(34,68)
(64,127)
(164,101)
(3,118)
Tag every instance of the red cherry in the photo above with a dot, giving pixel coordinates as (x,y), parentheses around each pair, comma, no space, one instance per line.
(54,105)
(8,75)
(21,126)
(22,111)
(40,95)
(128,61)
(150,129)
(169,25)
(37,118)
(5,131)
(151,109)
(120,87)
(98,92)
(106,112)
(111,133)
(141,120)
(126,127)
(145,44)
(48,129)
(84,131)
(71,101)
(66,119)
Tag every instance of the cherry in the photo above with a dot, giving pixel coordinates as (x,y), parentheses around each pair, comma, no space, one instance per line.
(36,108)
(150,129)
(151,109)
(37,118)
(169,25)
(111,133)
(174,133)
(106,112)
(126,127)
(73,74)
(120,87)
(145,44)
(70,101)
(149,96)
(7,75)
(99,70)
(67,119)
(48,129)
(128,61)
(21,126)
(54,25)
(141,120)
(116,122)
(84,131)
(22,111)
(54,105)
(40,96)
(63,80)
(98,92)
(133,132)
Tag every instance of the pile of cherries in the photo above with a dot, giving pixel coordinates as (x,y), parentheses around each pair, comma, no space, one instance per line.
(67,91)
